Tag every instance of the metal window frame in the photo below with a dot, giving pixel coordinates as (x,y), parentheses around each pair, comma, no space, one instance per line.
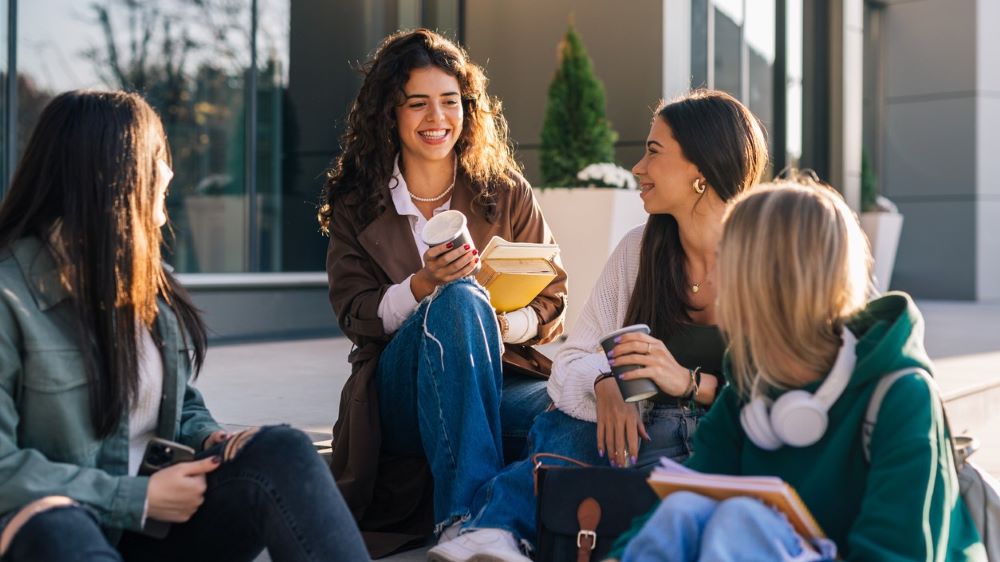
(9,155)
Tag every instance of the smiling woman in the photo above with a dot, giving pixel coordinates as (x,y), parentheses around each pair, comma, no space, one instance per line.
(433,390)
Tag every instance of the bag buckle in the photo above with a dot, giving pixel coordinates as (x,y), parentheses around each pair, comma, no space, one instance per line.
(589,534)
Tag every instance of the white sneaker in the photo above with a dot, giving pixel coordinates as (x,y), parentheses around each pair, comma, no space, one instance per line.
(481,545)
(450,532)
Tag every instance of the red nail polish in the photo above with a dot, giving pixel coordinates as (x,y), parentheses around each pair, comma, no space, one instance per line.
(449,245)
(477,260)
(475,252)
(466,246)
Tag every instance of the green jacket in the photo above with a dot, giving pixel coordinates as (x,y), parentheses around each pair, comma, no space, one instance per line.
(47,443)
(905,503)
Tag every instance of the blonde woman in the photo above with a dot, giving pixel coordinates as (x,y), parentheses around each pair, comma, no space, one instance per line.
(806,353)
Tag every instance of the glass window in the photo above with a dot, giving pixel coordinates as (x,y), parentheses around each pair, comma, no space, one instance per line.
(793,82)
(699,43)
(760,42)
(728,50)
(188,59)
(5,172)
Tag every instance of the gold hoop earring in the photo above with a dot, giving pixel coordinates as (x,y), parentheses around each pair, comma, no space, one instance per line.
(699,186)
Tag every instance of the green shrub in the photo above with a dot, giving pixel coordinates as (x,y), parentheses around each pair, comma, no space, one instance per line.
(575,132)
(869,185)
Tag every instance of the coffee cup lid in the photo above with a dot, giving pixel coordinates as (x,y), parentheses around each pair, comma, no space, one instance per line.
(627,330)
(443,227)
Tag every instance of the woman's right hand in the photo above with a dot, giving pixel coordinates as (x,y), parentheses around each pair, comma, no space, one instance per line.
(443,264)
(618,425)
(176,492)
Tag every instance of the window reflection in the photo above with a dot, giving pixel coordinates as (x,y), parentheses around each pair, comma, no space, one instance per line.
(728,22)
(699,43)
(760,42)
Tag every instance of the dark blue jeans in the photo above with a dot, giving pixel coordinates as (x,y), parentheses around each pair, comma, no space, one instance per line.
(442,395)
(508,500)
(276,493)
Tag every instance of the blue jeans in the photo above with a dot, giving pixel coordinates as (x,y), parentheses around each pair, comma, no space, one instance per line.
(508,500)
(276,493)
(688,527)
(442,395)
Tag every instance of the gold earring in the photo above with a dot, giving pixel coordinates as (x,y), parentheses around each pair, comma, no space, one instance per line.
(699,185)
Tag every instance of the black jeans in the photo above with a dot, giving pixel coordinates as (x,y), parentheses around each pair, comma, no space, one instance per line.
(276,493)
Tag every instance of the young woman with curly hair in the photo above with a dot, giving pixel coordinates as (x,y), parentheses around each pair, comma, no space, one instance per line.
(435,398)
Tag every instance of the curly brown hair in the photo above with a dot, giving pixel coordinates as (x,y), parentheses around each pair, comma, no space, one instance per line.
(371,141)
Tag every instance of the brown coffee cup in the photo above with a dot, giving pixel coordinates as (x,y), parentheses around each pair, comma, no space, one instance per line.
(449,226)
(633,390)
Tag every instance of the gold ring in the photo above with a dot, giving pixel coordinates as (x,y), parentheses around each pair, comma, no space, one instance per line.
(648,347)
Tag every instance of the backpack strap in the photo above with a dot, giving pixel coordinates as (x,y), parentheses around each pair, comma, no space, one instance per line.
(875,403)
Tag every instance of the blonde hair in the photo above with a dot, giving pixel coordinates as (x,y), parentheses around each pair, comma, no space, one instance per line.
(793,266)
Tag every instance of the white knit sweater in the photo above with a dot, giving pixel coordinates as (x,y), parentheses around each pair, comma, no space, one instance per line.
(580,360)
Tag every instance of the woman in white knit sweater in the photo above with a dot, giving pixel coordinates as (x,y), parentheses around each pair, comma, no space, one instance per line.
(702,150)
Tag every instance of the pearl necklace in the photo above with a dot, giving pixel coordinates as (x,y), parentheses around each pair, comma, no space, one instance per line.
(436,198)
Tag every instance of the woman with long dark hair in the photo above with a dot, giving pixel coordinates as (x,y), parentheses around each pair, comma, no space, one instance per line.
(437,398)
(98,342)
(702,150)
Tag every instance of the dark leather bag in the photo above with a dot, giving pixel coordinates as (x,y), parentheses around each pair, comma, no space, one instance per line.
(583,509)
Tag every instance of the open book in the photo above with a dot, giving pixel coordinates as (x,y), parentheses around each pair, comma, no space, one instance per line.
(515,272)
(672,477)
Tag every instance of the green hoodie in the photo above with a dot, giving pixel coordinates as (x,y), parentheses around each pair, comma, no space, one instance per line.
(905,503)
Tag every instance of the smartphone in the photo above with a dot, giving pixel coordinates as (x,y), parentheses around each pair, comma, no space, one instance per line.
(161,453)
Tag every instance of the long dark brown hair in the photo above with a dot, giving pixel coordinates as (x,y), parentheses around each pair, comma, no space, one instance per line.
(371,141)
(89,176)
(720,136)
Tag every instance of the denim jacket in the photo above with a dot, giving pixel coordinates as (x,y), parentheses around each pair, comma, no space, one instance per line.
(47,442)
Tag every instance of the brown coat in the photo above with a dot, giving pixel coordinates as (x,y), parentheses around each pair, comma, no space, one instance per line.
(391,498)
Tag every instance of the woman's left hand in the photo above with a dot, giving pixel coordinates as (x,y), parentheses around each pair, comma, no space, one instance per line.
(655,361)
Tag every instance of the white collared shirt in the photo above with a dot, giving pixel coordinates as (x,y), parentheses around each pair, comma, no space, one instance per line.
(397,303)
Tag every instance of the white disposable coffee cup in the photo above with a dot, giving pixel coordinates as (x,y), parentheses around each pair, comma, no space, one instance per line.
(448,226)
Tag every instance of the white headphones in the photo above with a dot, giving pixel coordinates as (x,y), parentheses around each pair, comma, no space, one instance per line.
(798,418)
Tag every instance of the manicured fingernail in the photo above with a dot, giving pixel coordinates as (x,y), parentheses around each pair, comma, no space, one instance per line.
(217,459)
(449,245)
(600,453)
(466,246)
(475,252)
(611,353)
(634,459)
(621,377)
(477,260)
(611,361)
(618,339)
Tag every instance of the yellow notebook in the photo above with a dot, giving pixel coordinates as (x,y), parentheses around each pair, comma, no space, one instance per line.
(672,477)
(515,272)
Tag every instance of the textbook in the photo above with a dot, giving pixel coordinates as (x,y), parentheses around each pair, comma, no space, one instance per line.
(515,272)
(672,477)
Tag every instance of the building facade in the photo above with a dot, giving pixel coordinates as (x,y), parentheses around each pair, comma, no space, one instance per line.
(253,94)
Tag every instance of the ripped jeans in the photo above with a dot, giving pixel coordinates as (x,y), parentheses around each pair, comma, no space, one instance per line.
(508,501)
(442,395)
(275,493)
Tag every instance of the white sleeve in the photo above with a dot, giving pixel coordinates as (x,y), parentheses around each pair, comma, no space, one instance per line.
(396,306)
(522,325)
(581,359)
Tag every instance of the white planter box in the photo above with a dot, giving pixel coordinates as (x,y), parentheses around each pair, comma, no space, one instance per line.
(883,230)
(588,223)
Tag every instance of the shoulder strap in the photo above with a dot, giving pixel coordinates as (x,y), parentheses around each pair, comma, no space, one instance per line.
(875,403)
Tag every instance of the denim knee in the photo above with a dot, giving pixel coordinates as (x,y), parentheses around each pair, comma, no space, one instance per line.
(458,299)
(739,512)
(58,533)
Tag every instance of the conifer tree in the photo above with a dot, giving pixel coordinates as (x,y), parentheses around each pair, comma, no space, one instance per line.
(575,132)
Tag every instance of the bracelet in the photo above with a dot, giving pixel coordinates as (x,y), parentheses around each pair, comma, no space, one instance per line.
(504,324)
(601,377)
(692,390)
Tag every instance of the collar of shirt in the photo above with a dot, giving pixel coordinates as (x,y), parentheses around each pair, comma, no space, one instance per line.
(406,208)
